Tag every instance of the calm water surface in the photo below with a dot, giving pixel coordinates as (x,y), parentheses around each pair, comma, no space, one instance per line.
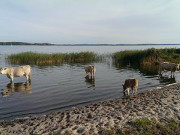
(55,88)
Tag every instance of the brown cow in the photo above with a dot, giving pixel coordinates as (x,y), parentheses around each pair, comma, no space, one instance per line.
(130,83)
(91,70)
(168,66)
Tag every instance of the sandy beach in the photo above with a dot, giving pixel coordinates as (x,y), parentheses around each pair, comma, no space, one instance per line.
(154,104)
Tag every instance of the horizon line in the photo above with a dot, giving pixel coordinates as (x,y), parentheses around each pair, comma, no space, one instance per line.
(46,43)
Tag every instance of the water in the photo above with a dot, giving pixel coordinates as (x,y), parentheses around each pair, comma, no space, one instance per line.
(55,88)
(69,49)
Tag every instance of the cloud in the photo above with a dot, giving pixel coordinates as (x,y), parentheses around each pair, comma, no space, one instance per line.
(90,21)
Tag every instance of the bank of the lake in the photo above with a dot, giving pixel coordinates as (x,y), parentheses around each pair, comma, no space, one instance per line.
(160,104)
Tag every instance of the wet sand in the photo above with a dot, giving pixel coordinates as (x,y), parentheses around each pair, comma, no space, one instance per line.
(153,104)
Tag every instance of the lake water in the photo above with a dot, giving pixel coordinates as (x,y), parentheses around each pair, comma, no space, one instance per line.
(55,88)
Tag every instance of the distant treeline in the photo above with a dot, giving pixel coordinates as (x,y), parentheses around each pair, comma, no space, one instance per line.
(23,43)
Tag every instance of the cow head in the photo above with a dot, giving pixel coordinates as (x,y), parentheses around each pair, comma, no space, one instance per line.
(124,87)
(177,66)
(3,71)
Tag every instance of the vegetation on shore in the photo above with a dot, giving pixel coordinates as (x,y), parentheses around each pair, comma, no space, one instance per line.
(149,56)
(48,59)
(145,126)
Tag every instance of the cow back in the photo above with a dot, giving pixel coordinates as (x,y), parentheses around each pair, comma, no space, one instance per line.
(169,66)
(131,83)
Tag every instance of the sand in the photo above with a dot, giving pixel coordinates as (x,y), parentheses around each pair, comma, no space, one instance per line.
(154,104)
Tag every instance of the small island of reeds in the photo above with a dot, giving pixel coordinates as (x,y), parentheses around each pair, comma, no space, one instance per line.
(146,61)
(48,59)
(149,56)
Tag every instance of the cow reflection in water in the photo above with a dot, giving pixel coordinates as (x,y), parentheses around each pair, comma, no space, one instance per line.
(167,79)
(90,80)
(11,88)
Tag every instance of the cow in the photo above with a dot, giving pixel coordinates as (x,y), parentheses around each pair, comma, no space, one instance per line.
(12,72)
(130,83)
(168,66)
(91,70)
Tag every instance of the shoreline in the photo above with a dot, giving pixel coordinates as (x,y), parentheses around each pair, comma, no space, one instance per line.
(156,104)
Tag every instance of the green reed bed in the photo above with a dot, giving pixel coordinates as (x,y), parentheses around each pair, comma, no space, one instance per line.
(45,59)
(148,56)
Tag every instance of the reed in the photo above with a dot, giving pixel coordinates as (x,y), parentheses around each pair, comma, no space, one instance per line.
(46,59)
(149,56)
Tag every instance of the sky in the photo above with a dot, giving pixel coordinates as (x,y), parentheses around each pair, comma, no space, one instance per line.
(90,21)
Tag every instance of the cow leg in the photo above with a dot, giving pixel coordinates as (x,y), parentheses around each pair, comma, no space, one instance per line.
(172,74)
(132,91)
(160,71)
(93,74)
(12,78)
(29,76)
(128,91)
(87,73)
(135,90)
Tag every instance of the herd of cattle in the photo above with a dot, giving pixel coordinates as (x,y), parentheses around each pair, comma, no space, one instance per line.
(132,83)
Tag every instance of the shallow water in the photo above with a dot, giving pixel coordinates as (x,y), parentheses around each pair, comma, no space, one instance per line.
(55,88)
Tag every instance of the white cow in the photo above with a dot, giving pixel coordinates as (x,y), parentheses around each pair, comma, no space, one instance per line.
(168,66)
(12,72)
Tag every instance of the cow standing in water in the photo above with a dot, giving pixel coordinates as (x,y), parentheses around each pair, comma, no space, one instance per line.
(91,70)
(168,66)
(130,83)
(12,72)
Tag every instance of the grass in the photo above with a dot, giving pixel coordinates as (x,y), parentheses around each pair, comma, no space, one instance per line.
(47,59)
(149,56)
(145,126)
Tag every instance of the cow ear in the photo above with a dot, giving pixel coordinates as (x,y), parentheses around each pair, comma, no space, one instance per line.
(122,85)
